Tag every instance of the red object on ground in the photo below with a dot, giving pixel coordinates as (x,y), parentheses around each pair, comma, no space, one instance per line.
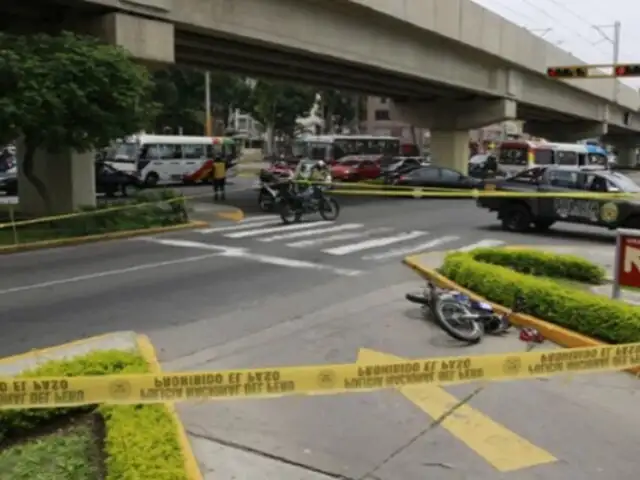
(629,260)
(531,335)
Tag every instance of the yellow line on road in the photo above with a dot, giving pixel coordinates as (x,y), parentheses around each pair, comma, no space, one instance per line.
(499,446)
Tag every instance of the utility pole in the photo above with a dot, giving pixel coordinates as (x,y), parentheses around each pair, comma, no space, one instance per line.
(615,42)
(207,104)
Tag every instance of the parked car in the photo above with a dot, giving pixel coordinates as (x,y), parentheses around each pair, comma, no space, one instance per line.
(108,181)
(437,177)
(354,169)
(485,165)
(9,182)
(401,166)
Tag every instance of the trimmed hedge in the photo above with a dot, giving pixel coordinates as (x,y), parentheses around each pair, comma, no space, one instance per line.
(148,209)
(490,273)
(141,440)
(544,264)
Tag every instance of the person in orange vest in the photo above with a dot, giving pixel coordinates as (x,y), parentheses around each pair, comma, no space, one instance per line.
(219,173)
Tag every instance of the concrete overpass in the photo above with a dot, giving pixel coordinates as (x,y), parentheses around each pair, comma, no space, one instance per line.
(449,65)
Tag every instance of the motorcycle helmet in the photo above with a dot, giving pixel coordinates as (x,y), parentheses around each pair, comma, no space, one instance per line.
(321,164)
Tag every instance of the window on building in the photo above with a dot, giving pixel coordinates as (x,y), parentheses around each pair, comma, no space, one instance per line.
(384,99)
(382,115)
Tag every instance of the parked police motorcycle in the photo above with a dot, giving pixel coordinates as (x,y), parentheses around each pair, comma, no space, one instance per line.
(272,184)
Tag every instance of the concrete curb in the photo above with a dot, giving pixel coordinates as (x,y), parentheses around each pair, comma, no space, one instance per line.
(192,468)
(103,237)
(558,335)
(126,341)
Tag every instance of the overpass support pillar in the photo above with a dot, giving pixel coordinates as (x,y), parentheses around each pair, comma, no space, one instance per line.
(565,132)
(450,122)
(627,156)
(626,148)
(69,178)
(147,40)
(450,148)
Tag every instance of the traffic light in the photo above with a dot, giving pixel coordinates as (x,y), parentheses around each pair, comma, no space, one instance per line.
(632,70)
(567,72)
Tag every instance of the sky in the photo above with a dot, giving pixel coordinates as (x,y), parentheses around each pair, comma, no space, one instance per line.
(570,25)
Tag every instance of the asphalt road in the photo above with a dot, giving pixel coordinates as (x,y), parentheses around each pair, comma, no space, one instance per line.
(209,300)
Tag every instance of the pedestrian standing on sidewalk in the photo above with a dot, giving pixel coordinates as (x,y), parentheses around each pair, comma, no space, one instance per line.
(219,173)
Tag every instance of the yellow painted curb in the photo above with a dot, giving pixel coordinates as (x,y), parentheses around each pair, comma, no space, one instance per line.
(551,332)
(44,352)
(148,352)
(69,242)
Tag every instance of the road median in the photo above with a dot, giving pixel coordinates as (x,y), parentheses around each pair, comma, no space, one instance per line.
(556,288)
(114,442)
(149,213)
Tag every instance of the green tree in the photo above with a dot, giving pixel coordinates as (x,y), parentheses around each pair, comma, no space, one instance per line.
(339,109)
(278,105)
(181,95)
(68,92)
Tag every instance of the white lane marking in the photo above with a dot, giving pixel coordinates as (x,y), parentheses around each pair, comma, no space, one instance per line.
(316,231)
(239,226)
(111,273)
(374,243)
(481,244)
(292,263)
(231,252)
(281,228)
(337,238)
(411,249)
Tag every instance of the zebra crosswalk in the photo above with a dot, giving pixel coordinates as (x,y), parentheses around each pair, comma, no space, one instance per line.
(370,243)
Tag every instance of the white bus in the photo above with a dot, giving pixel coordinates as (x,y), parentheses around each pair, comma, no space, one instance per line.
(167,159)
(332,148)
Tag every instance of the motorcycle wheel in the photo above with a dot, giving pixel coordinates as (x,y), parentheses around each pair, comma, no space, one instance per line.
(329,209)
(265,201)
(288,214)
(448,313)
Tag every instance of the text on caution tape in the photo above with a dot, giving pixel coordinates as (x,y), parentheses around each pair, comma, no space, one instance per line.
(41,392)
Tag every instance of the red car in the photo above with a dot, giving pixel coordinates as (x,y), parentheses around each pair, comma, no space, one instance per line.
(353,169)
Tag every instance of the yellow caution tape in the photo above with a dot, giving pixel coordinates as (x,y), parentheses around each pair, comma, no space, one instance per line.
(41,392)
(115,208)
(422,193)
(355,190)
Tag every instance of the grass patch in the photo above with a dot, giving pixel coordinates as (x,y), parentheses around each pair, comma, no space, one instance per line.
(68,454)
(148,209)
(134,442)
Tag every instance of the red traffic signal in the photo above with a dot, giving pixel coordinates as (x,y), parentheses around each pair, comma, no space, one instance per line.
(567,72)
(627,71)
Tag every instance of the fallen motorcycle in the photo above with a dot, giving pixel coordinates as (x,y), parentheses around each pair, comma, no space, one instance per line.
(460,316)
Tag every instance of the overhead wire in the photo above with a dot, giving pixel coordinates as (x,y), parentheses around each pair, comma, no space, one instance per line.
(554,19)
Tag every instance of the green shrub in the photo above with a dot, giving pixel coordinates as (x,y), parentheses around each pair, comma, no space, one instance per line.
(148,209)
(543,264)
(141,440)
(582,311)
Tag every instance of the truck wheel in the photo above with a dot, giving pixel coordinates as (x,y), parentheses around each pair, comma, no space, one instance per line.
(516,218)
(633,223)
(542,225)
